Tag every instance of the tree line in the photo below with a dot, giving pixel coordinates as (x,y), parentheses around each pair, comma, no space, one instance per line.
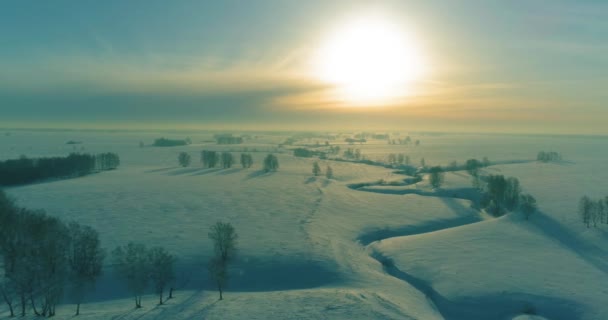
(548,156)
(164,142)
(27,170)
(44,258)
(212,159)
(228,139)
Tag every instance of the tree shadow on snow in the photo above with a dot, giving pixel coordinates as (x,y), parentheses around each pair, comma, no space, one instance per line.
(248,274)
(550,227)
(258,174)
(183,171)
(502,305)
(310,180)
(160,170)
(229,171)
(206,171)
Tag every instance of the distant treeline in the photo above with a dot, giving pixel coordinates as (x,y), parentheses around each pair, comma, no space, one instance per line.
(163,142)
(25,170)
(307,153)
(548,156)
(228,139)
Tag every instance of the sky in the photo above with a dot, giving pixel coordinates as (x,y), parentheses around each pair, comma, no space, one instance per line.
(529,66)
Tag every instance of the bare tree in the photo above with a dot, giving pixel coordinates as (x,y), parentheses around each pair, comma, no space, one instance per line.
(527,205)
(227,160)
(271,163)
(436,176)
(85,257)
(131,263)
(584,209)
(316,169)
(246,160)
(224,243)
(183,159)
(161,270)
(329,173)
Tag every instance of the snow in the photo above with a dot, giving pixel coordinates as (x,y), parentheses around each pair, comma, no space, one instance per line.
(315,248)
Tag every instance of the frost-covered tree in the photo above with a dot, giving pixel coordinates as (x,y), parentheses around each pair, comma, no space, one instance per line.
(527,205)
(316,169)
(85,257)
(131,263)
(436,176)
(161,270)
(224,239)
(423,163)
(184,159)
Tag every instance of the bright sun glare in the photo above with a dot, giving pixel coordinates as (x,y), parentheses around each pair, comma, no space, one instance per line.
(369,61)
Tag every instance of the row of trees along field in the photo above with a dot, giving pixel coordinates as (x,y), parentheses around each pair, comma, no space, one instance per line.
(27,170)
(593,212)
(212,159)
(43,257)
(164,142)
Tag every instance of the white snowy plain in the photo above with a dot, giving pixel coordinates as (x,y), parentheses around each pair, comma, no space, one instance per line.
(313,248)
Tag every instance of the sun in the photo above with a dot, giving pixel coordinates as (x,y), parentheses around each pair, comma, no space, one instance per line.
(369,61)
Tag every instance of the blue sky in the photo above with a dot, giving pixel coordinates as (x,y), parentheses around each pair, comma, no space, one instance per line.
(523,66)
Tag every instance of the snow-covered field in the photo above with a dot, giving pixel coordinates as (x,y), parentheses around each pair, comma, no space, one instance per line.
(313,248)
